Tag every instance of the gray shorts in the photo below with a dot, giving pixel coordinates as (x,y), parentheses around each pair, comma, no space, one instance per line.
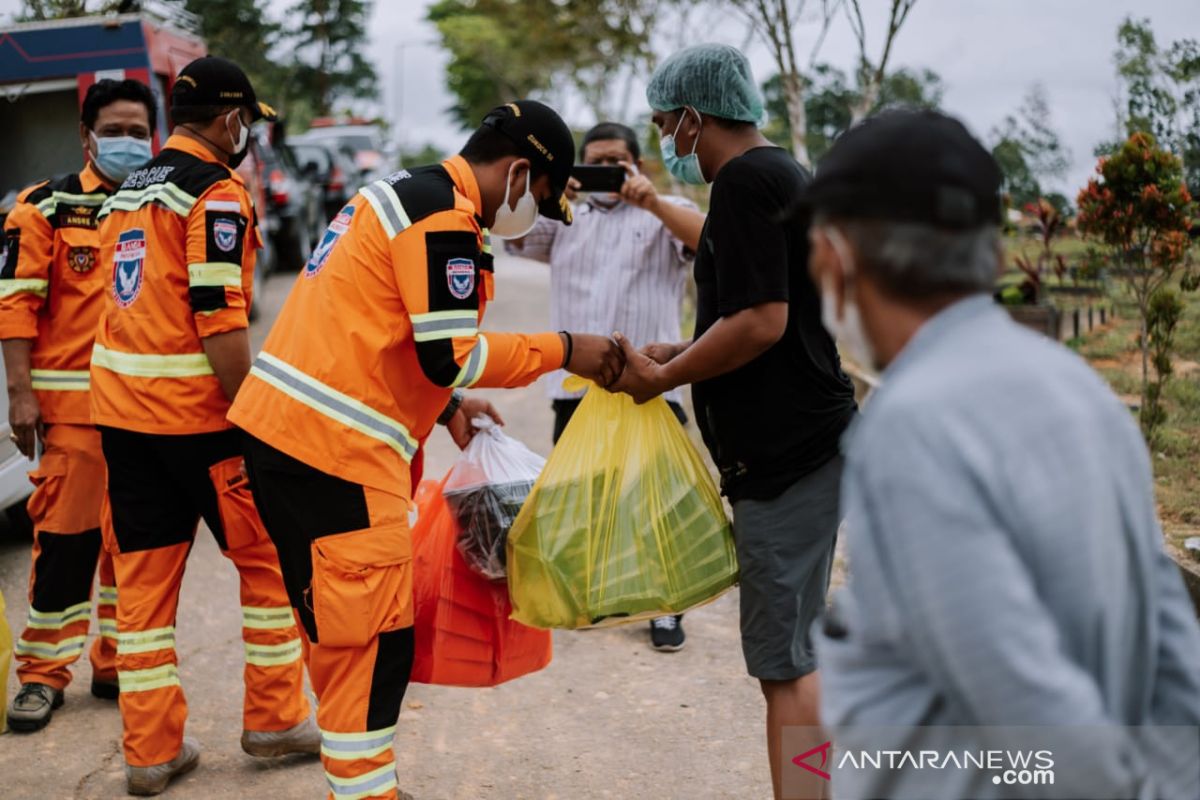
(785,554)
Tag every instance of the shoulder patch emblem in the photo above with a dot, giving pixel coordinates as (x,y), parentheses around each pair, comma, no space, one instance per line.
(460,276)
(224,234)
(129,264)
(339,225)
(81,259)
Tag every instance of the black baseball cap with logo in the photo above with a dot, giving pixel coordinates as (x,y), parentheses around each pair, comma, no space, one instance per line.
(215,81)
(909,166)
(541,136)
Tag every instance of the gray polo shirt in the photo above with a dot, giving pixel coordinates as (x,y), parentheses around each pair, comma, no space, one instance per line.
(1006,561)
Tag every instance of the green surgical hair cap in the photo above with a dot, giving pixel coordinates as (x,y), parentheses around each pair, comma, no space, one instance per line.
(714,79)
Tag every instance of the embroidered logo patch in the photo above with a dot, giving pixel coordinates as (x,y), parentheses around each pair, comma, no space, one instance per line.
(81,259)
(460,276)
(339,225)
(129,263)
(224,234)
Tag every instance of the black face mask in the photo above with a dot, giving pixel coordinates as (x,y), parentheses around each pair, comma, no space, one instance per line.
(236,159)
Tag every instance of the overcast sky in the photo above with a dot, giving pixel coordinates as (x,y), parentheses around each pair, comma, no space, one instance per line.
(988,53)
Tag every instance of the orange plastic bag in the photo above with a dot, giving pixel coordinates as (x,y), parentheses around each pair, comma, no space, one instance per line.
(462,631)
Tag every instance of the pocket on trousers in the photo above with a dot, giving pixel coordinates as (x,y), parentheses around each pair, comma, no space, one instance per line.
(362,584)
(239,516)
(47,482)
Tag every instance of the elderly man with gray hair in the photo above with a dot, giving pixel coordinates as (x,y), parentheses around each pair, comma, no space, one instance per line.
(1006,561)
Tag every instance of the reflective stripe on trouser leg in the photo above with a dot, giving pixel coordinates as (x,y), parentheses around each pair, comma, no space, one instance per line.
(359,692)
(104,649)
(65,511)
(153,708)
(55,633)
(274,671)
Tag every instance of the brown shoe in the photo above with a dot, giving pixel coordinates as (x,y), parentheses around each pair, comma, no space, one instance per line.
(302,738)
(154,780)
(33,707)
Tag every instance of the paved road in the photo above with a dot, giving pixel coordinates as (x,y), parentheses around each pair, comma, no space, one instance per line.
(609,718)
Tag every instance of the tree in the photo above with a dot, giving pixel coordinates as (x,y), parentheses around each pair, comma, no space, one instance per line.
(501,50)
(328,44)
(240,31)
(42,10)
(1028,149)
(1160,93)
(871,75)
(830,99)
(775,21)
(1140,209)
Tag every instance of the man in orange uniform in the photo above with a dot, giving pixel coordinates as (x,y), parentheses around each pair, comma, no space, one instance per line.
(171,351)
(50,300)
(379,329)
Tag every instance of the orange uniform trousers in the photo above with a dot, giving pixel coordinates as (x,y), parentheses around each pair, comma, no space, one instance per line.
(65,510)
(346,555)
(159,487)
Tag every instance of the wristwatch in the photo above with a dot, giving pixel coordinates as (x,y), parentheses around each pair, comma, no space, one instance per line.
(456,398)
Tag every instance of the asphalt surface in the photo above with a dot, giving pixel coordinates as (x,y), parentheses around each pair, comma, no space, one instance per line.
(609,718)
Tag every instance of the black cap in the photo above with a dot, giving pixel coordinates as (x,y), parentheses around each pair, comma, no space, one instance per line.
(215,81)
(909,166)
(541,136)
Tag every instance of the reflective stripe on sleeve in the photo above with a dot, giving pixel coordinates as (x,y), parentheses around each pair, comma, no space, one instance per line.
(334,404)
(70,647)
(472,371)
(108,628)
(60,380)
(151,365)
(263,619)
(132,642)
(273,655)
(214,274)
(351,746)
(57,620)
(444,325)
(107,595)
(387,207)
(145,680)
(376,782)
(11,286)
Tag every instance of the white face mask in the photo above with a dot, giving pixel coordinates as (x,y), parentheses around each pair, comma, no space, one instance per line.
(514,223)
(243,133)
(849,328)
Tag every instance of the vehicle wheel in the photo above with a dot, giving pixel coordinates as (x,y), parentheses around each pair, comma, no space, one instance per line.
(18,520)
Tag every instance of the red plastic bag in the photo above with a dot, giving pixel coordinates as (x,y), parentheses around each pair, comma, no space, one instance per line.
(462,631)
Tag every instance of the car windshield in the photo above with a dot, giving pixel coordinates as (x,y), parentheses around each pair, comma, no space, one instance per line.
(357,142)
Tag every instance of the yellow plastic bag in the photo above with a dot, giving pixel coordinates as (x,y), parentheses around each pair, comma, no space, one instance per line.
(624,523)
(6,652)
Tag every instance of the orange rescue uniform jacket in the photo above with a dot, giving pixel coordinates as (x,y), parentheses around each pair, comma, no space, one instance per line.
(178,243)
(50,288)
(381,325)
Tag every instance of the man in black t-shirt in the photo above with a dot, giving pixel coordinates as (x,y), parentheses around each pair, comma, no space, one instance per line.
(770,395)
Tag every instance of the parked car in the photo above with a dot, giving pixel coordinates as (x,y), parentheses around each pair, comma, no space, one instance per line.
(331,168)
(357,138)
(294,202)
(15,486)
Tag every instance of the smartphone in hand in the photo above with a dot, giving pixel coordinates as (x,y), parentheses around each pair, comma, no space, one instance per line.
(598,177)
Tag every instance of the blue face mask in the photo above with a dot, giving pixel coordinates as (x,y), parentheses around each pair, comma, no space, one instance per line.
(117,156)
(685,168)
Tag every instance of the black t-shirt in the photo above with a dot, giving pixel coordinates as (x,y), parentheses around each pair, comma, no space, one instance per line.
(781,416)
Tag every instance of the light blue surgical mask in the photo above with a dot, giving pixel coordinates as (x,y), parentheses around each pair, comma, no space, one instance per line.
(684,168)
(117,156)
